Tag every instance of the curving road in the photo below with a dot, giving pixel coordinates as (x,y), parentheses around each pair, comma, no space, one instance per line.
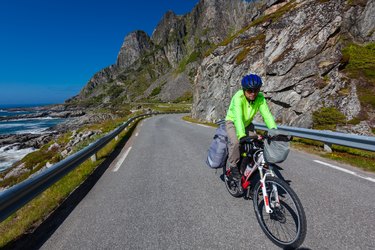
(159,194)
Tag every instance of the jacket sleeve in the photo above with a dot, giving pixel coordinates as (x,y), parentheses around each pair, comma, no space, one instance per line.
(266,114)
(238,120)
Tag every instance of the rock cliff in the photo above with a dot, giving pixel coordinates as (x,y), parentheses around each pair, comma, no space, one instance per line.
(297,47)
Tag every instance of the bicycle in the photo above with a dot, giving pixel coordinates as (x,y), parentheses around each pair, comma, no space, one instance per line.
(278,210)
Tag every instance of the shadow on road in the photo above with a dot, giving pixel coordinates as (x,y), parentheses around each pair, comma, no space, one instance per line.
(36,238)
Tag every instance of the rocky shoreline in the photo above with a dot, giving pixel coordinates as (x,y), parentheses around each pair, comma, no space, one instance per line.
(17,146)
(29,140)
(75,118)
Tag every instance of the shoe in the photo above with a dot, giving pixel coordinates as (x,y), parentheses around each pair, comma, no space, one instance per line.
(235,173)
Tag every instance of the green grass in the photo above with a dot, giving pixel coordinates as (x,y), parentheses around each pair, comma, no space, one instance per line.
(359,62)
(190,119)
(155,91)
(274,17)
(186,97)
(194,56)
(354,121)
(357,2)
(33,162)
(248,45)
(166,107)
(355,157)
(327,118)
(32,214)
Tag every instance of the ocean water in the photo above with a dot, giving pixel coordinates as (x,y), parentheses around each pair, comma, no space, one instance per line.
(24,126)
(10,153)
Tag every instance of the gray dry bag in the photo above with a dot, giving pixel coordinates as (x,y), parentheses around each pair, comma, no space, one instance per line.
(276,149)
(218,152)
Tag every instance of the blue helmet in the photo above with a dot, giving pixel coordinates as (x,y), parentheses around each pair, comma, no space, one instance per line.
(251,81)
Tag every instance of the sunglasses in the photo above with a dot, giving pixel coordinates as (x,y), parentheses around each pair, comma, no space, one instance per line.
(252,90)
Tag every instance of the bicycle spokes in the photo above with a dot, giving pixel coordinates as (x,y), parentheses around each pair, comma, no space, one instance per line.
(285,223)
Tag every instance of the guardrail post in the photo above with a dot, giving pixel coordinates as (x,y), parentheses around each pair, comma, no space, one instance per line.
(93,158)
(327,147)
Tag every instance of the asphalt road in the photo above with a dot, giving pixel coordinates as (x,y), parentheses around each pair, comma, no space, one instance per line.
(163,196)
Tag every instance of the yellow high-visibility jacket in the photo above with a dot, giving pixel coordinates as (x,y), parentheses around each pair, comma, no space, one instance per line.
(241,112)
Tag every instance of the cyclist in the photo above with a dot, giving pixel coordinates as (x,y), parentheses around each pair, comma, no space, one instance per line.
(242,109)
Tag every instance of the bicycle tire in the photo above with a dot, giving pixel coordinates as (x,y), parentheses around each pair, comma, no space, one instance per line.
(279,214)
(234,187)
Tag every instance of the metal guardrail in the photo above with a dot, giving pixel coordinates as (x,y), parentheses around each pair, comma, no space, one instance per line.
(18,195)
(328,137)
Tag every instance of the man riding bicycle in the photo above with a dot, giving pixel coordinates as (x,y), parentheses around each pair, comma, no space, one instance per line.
(243,107)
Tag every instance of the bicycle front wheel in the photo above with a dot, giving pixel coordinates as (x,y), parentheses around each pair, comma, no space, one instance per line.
(286,224)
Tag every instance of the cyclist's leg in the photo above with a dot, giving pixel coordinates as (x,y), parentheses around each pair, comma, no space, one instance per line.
(233,148)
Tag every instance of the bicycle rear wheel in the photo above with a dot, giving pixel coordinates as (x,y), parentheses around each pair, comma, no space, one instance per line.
(286,224)
(233,186)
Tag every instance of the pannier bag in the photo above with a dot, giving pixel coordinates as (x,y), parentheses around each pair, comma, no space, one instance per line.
(276,149)
(218,152)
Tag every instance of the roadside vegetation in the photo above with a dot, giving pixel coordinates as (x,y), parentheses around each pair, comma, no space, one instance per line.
(327,118)
(359,63)
(355,157)
(190,119)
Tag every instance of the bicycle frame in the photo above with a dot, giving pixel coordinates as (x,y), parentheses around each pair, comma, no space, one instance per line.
(259,164)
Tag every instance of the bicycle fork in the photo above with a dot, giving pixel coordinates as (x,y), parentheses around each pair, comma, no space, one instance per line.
(265,195)
(274,194)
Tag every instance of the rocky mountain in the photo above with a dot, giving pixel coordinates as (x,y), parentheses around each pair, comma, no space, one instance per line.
(307,52)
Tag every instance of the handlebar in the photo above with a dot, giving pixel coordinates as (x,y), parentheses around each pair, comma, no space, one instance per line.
(250,139)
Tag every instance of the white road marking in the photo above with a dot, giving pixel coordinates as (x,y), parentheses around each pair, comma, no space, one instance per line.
(136,134)
(345,170)
(203,125)
(199,124)
(119,163)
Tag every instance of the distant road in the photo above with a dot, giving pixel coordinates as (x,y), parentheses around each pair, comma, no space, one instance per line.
(159,194)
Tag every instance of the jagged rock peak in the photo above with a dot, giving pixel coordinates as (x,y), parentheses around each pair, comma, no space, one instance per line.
(136,44)
(216,18)
(166,24)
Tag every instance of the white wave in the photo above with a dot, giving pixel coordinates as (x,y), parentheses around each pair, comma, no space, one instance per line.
(31,119)
(7,158)
(10,146)
(29,128)
(11,125)
(38,118)
(31,131)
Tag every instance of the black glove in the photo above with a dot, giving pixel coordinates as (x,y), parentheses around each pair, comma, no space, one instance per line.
(247,139)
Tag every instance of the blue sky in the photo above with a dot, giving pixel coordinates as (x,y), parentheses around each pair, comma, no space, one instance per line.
(50,49)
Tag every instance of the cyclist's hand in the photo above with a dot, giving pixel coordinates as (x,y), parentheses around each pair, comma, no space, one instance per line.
(247,139)
(260,137)
(244,139)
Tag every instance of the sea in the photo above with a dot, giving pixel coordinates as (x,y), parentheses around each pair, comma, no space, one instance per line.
(10,153)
